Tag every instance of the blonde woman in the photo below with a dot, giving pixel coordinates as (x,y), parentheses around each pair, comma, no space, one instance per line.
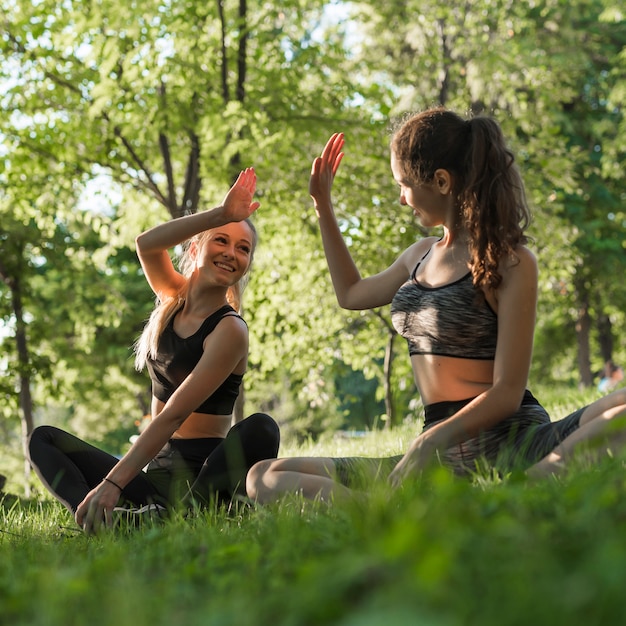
(195,347)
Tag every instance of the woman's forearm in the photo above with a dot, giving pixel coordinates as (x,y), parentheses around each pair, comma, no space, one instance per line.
(145,448)
(343,271)
(482,413)
(171,233)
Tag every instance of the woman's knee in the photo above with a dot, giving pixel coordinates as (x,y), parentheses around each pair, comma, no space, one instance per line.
(263,431)
(609,407)
(264,423)
(255,485)
(617,397)
(620,396)
(42,435)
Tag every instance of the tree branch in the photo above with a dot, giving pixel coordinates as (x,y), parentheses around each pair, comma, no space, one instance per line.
(164,146)
(193,182)
(225,90)
(242,52)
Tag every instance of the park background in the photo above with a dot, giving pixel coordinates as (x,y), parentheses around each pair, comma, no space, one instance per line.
(115,116)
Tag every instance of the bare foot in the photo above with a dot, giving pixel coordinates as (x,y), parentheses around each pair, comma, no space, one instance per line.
(551,465)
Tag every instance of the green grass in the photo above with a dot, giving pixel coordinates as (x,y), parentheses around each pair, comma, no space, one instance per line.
(441,552)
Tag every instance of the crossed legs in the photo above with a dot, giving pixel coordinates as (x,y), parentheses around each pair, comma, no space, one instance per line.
(316,477)
(598,427)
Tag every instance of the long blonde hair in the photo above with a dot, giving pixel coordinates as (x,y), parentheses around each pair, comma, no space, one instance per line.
(147,344)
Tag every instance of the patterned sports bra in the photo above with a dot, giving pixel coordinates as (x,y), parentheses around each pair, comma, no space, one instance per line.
(451,320)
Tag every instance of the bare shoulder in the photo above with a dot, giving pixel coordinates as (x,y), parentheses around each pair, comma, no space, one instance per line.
(519,268)
(414,253)
(524,253)
(229,337)
(519,282)
(233,323)
(522,258)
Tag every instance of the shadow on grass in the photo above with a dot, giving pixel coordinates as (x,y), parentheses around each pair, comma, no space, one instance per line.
(9,501)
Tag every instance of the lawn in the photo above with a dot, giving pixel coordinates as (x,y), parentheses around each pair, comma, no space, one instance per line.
(440,552)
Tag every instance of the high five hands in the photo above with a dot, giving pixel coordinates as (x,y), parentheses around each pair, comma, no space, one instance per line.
(323,171)
(237,203)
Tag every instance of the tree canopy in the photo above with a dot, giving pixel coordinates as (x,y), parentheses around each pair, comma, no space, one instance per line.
(115,116)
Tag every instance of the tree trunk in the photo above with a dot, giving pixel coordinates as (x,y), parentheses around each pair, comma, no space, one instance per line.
(583,332)
(26,401)
(387,368)
(443,79)
(605,337)
(387,371)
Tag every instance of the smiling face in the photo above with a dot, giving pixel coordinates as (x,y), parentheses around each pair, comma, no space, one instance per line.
(226,252)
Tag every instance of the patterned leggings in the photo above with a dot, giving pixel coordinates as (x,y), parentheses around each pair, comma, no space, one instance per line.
(518,441)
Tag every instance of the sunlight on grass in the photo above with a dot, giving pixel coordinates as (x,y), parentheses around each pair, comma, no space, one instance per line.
(363,443)
(439,552)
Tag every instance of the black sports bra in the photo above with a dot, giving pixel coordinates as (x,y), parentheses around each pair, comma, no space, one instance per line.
(176,358)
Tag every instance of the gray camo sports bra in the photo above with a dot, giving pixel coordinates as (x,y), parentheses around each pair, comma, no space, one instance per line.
(448,321)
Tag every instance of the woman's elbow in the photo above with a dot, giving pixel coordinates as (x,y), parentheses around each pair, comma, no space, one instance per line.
(350,302)
(344,302)
(170,420)
(510,398)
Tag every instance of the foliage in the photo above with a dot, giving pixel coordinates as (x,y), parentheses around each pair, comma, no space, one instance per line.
(165,101)
(162,103)
(77,297)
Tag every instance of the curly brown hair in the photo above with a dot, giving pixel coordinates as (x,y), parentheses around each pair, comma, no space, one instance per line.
(486,181)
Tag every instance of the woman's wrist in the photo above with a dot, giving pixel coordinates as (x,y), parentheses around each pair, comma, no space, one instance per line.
(218,216)
(112,482)
(324,211)
(425,444)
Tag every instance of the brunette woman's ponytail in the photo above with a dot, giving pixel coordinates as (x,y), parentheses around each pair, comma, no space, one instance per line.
(492,201)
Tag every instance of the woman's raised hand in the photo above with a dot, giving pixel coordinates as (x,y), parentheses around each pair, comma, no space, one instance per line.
(324,169)
(237,203)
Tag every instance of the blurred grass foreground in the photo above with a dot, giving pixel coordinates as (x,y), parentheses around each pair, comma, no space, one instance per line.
(440,552)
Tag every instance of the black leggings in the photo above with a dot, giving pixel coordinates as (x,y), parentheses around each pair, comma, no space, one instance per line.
(194,471)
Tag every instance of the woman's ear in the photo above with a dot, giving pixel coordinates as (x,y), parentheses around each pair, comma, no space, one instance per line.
(443,180)
(192,251)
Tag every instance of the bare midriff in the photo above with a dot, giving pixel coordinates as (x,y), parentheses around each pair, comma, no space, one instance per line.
(446,379)
(198,425)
